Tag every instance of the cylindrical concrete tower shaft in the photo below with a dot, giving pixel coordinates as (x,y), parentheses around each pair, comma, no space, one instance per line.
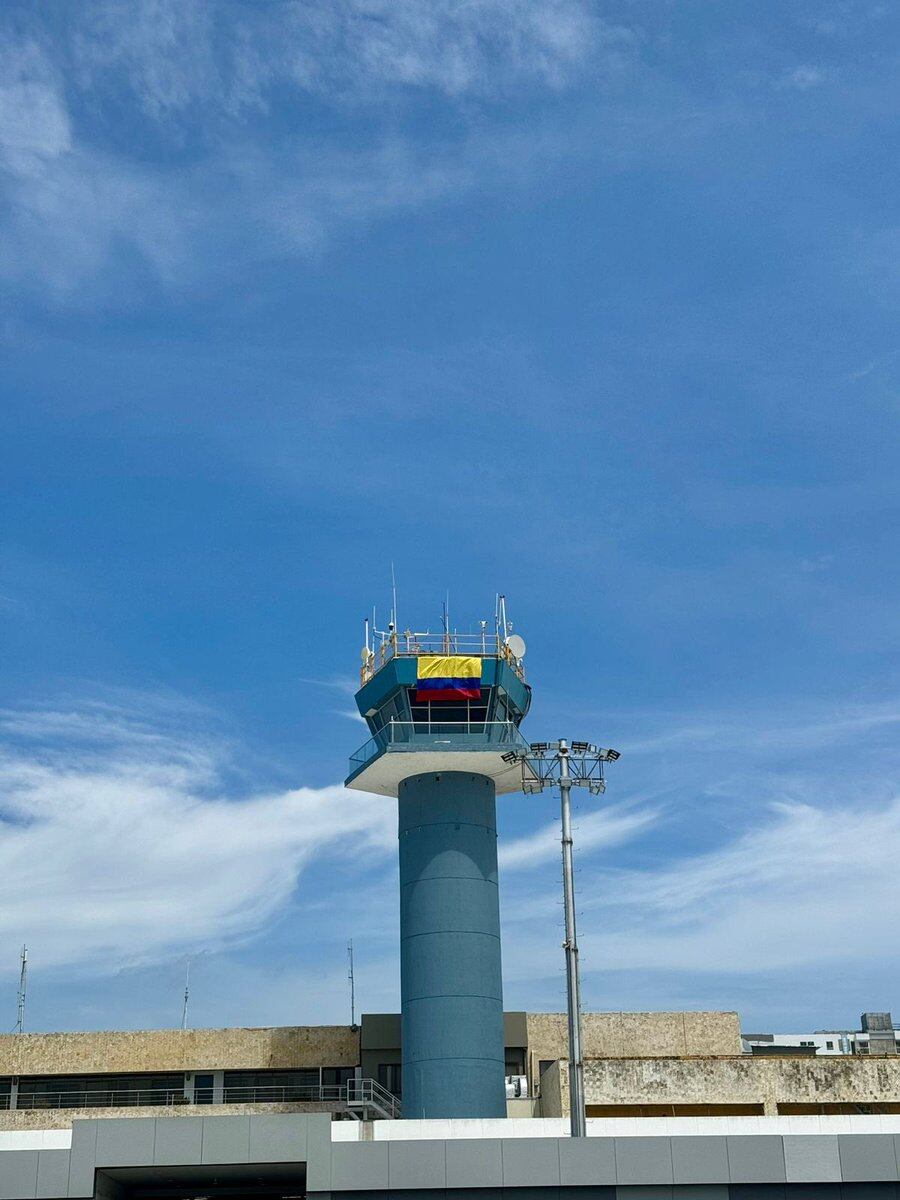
(450,980)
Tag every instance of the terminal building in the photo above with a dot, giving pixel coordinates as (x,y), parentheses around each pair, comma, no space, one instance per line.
(677,1110)
(877,1035)
(637,1065)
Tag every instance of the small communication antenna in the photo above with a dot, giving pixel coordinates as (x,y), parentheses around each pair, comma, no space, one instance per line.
(393,597)
(502,621)
(23,981)
(352,984)
(445,622)
(187,995)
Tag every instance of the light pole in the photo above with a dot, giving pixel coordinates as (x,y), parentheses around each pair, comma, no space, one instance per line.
(559,764)
(573,981)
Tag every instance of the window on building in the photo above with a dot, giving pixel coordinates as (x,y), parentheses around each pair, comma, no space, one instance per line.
(515,1061)
(99,1091)
(336,1076)
(277,1087)
(389,1075)
(464,715)
(5,1092)
(829,1045)
(876,1108)
(203,1089)
(675,1110)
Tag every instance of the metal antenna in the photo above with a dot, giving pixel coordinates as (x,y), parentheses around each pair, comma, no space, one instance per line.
(394,596)
(187,995)
(23,980)
(445,621)
(352,984)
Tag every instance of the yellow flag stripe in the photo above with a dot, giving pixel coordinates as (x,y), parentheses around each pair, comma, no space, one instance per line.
(448,666)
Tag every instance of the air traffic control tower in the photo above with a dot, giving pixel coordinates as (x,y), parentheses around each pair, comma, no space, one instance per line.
(444,709)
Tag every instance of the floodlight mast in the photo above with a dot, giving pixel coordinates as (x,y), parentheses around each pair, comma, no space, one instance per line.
(573,981)
(566,765)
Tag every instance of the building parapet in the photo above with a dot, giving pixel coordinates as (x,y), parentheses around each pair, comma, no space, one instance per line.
(729,1085)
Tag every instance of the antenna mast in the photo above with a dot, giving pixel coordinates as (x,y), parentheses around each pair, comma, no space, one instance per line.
(352,984)
(187,995)
(23,980)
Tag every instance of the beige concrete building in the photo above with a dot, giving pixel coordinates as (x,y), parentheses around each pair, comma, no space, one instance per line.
(744,1085)
(637,1064)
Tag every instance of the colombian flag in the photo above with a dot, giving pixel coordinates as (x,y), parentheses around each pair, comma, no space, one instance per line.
(447,677)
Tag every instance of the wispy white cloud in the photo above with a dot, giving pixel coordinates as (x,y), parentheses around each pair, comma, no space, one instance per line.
(803,77)
(122,840)
(34,121)
(603,828)
(177,54)
(85,218)
(799,888)
(337,683)
(787,843)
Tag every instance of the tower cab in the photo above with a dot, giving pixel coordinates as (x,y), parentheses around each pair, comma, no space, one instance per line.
(452,700)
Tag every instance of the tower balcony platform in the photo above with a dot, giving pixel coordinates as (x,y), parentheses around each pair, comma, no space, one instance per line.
(404,748)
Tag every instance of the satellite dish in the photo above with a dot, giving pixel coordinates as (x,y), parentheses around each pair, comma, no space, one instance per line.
(516,645)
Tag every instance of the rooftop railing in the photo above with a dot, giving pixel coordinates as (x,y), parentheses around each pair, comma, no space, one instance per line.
(353,1094)
(410,645)
(100,1098)
(439,735)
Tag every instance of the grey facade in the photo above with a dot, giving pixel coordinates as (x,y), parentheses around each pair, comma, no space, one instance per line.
(293,1155)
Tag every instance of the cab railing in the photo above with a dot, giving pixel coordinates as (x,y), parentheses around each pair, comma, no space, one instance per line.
(410,645)
(443,735)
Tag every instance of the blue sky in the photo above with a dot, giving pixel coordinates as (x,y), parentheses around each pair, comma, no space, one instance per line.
(591,303)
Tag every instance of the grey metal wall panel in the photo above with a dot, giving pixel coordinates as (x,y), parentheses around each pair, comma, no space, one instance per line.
(359,1166)
(755,1158)
(52,1174)
(811,1158)
(179,1141)
(587,1162)
(644,1160)
(278,1137)
(530,1162)
(125,1141)
(18,1174)
(474,1163)
(318,1152)
(700,1160)
(652,1191)
(417,1164)
(226,1140)
(867,1157)
(81,1158)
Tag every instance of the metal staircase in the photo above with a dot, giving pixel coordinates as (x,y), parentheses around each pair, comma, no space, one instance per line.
(367,1100)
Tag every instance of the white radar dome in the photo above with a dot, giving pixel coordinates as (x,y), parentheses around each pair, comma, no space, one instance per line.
(516,645)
